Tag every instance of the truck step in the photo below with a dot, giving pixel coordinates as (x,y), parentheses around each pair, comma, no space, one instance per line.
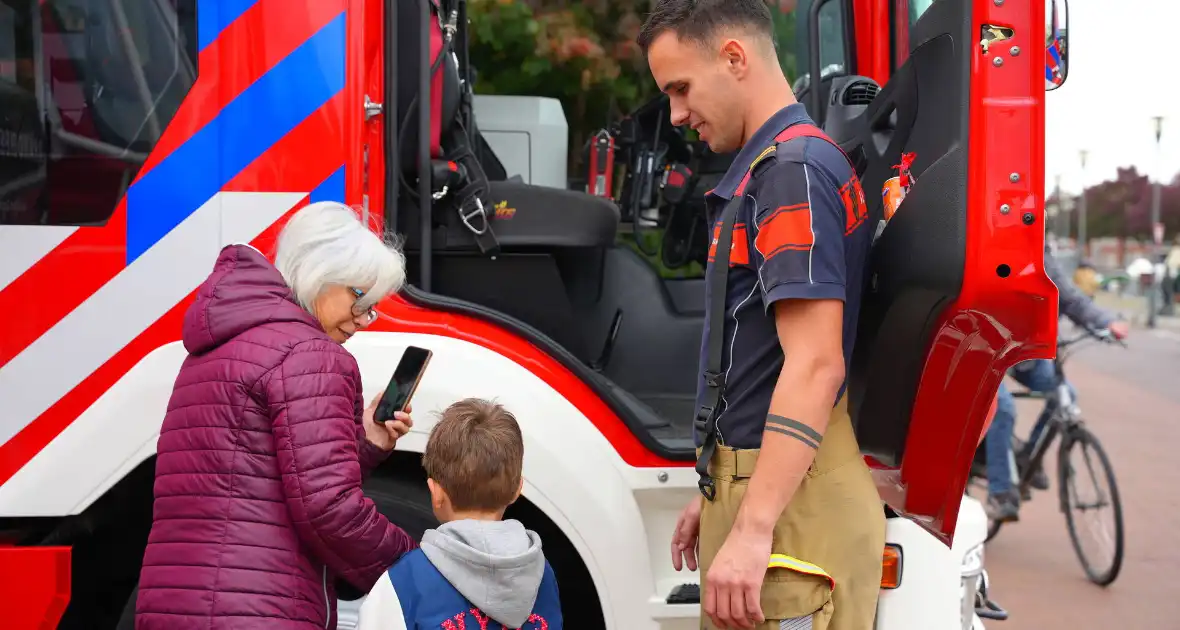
(685,594)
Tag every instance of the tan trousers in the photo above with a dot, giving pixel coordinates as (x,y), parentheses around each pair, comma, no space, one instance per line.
(827,546)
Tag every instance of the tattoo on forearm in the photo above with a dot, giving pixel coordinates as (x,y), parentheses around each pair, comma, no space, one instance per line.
(795,429)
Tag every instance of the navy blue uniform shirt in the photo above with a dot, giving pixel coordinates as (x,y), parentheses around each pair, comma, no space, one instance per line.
(801,234)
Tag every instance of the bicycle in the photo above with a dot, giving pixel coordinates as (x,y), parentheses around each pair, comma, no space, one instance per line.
(1066,421)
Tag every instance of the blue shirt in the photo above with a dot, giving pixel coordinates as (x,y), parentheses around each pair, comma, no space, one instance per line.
(801,233)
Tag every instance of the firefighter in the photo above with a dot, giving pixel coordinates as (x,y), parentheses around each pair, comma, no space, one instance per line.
(790,526)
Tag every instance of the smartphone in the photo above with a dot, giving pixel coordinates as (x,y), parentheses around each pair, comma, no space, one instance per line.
(405,380)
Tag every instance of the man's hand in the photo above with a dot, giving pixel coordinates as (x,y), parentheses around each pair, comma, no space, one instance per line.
(733,586)
(384,435)
(1120,330)
(685,540)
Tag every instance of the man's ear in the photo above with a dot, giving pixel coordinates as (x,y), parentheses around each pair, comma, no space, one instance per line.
(519,490)
(736,57)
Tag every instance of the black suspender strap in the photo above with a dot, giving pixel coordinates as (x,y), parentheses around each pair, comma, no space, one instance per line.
(717,284)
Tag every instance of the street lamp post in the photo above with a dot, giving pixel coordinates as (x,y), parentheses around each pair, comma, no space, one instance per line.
(1155,189)
(1066,211)
(1166,295)
(1082,208)
(1058,233)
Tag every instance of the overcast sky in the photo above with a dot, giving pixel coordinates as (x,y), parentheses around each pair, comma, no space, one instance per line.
(1120,75)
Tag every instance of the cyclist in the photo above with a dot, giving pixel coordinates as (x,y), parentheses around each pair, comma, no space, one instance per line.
(1003,502)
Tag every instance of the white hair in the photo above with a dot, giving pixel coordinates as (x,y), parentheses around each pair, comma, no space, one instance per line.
(325,244)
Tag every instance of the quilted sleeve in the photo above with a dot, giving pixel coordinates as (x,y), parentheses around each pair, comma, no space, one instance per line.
(310,397)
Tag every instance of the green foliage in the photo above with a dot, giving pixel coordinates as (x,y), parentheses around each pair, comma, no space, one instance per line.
(581,53)
(584,54)
(649,244)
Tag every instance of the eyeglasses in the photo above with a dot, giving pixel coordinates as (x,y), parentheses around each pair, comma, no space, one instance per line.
(369,314)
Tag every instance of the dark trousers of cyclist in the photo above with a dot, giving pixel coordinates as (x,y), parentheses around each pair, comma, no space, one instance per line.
(1003,500)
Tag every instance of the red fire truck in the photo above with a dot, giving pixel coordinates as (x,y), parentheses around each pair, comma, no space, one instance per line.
(138,137)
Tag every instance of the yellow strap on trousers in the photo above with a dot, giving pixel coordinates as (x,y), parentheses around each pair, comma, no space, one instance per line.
(783,561)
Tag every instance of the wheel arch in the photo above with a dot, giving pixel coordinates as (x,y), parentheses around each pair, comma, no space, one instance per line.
(569,566)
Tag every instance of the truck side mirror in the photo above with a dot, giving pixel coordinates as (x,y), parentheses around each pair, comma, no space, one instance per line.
(1056,43)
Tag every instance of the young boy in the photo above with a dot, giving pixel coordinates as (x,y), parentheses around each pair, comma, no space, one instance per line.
(476,571)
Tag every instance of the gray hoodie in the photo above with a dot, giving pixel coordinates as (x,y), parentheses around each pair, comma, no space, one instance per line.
(496,565)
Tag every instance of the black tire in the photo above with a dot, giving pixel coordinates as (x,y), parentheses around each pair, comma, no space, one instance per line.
(404,500)
(127,620)
(1081,436)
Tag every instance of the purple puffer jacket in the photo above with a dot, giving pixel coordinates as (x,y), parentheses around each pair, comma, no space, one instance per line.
(258,502)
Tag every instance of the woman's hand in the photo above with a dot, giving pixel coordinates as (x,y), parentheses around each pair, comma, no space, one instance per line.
(384,435)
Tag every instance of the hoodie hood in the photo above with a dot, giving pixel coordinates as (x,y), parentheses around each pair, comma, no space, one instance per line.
(244,291)
(495,565)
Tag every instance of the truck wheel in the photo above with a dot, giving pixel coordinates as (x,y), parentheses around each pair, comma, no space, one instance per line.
(405,501)
(127,619)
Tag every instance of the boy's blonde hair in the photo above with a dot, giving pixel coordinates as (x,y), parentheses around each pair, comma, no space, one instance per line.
(476,454)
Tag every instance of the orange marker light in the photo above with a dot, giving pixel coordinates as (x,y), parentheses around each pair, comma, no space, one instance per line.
(891,567)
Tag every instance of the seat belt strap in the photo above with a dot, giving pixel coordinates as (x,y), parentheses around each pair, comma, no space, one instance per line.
(717,284)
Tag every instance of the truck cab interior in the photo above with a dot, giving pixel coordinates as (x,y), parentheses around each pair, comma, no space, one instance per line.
(547,264)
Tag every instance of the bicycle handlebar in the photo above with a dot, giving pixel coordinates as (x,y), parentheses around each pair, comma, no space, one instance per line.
(1104,335)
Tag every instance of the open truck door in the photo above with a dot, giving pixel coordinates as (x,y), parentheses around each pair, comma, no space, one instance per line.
(957,292)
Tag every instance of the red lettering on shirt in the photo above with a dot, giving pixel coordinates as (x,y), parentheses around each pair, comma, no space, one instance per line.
(459,621)
(480,618)
(535,619)
(739,253)
(855,209)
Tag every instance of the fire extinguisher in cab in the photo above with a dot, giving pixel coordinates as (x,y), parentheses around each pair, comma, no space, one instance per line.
(896,187)
(602,164)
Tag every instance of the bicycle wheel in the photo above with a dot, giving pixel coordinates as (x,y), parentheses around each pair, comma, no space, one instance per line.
(1095,467)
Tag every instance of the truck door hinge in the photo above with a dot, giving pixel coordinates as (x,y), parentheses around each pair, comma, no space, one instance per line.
(372,109)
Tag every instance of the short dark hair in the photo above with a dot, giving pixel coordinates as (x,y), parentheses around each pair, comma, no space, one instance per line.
(700,20)
(476,454)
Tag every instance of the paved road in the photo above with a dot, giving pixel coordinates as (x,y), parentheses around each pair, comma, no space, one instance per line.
(1131,399)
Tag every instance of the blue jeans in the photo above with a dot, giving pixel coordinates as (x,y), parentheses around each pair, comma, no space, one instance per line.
(1037,376)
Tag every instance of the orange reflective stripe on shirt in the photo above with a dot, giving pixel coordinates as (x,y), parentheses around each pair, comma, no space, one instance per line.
(783,561)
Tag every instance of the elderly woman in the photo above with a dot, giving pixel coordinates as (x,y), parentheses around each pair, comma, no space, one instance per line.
(258,502)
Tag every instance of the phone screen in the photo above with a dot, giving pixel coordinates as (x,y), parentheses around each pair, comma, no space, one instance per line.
(405,380)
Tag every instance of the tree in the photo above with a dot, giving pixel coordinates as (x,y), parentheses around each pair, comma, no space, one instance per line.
(581,52)
(1121,207)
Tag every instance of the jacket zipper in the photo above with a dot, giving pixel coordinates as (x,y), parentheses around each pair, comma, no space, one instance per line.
(327,604)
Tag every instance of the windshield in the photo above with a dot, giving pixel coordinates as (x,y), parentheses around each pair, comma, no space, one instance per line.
(917,8)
